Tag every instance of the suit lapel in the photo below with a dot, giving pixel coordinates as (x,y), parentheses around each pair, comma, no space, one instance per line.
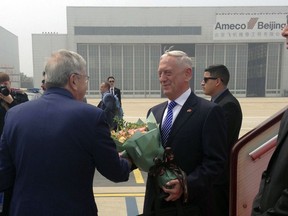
(185,113)
(188,109)
(160,113)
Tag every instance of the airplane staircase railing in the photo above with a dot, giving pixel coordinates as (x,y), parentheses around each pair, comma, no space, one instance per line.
(249,158)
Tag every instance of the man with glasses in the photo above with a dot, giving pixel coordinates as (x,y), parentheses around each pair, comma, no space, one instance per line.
(50,153)
(214,84)
(113,89)
(43,85)
(272,198)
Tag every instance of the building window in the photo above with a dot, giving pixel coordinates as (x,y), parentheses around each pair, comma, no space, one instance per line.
(149,30)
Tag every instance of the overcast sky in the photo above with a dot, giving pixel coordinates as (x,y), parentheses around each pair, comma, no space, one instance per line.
(24,18)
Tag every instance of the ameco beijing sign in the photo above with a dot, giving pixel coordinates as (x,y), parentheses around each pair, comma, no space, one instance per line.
(249,26)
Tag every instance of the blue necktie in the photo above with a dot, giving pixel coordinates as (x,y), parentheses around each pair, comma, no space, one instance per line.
(167,124)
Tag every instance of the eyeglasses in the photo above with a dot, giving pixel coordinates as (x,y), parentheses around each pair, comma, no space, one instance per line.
(205,79)
(87,77)
(111,80)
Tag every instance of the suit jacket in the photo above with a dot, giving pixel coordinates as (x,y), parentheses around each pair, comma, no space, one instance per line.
(272,198)
(117,92)
(49,150)
(198,140)
(108,104)
(233,115)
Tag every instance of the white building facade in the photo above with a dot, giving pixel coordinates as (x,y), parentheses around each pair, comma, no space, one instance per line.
(9,56)
(126,42)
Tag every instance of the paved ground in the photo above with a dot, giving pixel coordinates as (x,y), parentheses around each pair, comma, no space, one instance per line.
(255,110)
(127,198)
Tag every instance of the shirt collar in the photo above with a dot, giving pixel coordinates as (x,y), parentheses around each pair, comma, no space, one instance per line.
(182,98)
(216,96)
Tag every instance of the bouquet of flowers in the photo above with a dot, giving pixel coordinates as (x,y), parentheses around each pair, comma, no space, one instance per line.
(142,143)
(140,140)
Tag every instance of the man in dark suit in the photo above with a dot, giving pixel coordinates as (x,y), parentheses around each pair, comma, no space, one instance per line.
(110,105)
(197,138)
(113,89)
(51,146)
(214,84)
(272,198)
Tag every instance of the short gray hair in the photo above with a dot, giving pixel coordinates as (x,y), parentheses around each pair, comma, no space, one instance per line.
(61,65)
(182,57)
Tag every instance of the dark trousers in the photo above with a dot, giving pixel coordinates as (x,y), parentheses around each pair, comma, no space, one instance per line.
(6,203)
(220,206)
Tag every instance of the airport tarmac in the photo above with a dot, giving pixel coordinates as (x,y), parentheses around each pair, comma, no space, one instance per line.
(126,199)
(255,110)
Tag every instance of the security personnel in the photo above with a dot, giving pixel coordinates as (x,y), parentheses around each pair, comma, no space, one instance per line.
(8,98)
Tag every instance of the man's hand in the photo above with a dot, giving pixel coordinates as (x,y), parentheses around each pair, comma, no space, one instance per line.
(126,156)
(174,189)
(8,99)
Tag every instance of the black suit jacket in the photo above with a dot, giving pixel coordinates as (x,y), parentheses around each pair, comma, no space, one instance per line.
(108,104)
(117,92)
(233,115)
(272,198)
(198,140)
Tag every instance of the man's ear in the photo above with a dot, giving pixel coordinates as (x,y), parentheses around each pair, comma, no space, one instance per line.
(218,81)
(72,82)
(188,74)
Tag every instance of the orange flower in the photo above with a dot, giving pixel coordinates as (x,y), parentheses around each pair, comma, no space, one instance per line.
(127,132)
